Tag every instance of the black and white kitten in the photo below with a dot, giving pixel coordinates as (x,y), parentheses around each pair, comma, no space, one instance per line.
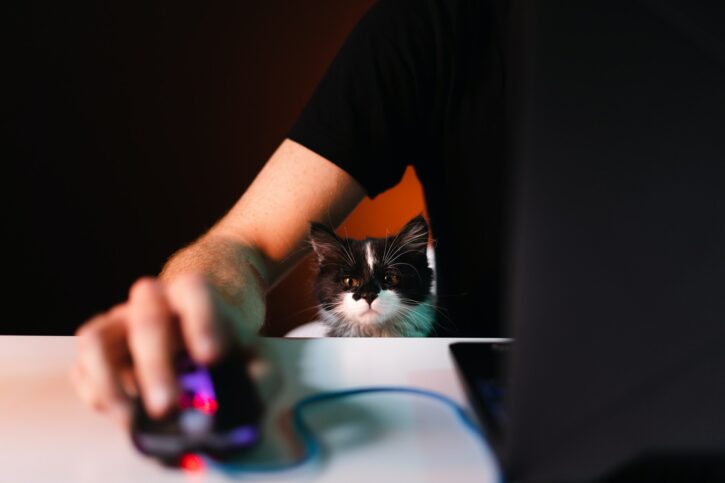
(377,287)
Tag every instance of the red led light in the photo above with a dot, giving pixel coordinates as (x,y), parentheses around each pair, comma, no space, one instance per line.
(205,404)
(191,462)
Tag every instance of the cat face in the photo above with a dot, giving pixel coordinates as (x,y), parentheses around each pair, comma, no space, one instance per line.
(372,286)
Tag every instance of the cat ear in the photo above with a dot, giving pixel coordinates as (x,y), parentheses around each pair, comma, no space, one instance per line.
(324,241)
(414,235)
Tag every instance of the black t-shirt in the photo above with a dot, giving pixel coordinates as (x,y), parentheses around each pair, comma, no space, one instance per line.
(420,82)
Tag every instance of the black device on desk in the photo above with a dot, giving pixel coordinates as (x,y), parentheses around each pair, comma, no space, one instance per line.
(481,366)
(616,264)
(218,413)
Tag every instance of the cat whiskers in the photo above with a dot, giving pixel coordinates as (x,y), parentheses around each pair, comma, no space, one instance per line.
(385,246)
(348,250)
(327,306)
(396,252)
(403,253)
(339,248)
(392,247)
(437,309)
(417,323)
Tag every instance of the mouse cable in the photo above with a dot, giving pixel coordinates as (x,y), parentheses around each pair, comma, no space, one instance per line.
(312,448)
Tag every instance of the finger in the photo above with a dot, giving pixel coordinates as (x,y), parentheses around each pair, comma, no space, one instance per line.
(83,387)
(210,328)
(128,382)
(192,299)
(119,413)
(102,354)
(153,341)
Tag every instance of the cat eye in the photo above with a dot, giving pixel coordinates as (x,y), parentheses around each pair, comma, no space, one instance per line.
(350,282)
(391,279)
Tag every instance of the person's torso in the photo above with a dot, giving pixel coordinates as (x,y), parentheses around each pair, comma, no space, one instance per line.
(465,173)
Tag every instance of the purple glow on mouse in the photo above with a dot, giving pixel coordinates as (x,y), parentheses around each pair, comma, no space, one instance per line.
(244,435)
(199,382)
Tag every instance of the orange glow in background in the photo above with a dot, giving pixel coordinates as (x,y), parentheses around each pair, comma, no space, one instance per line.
(389,211)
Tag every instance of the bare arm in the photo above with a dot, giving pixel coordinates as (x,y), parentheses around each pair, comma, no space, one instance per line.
(262,235)
(210,294)
(272,218)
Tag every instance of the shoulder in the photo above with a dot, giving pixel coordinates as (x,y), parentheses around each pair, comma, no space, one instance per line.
(430,40)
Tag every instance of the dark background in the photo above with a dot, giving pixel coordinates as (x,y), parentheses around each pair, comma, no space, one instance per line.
(131,128)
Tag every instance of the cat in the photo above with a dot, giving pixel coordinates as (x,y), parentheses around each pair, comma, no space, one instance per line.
(376,287)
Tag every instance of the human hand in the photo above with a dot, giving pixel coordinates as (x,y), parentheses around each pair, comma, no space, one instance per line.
(131,348)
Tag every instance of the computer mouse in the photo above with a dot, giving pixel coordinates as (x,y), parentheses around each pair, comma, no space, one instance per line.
(218,413)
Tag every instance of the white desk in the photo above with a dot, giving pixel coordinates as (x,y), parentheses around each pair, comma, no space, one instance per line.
(46,435)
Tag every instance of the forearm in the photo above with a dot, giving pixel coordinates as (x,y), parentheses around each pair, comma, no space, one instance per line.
(263,236)
(236,270)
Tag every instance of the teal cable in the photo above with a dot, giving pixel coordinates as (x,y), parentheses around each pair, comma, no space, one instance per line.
(312,448)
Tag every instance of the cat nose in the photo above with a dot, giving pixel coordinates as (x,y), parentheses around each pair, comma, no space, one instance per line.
(368,296)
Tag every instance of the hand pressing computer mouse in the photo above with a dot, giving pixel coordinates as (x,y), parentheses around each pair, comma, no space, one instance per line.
(211,295)
(128,366)
(217,413)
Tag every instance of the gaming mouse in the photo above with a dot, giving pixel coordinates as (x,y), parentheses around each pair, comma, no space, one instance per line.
(218,413)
